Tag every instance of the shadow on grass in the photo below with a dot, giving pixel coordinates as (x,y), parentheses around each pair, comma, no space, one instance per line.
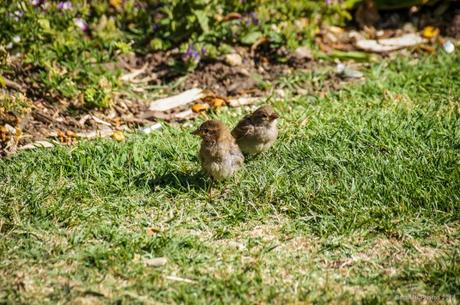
(179,181)
(250,158)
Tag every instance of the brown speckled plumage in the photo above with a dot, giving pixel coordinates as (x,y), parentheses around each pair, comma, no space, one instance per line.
(220,156)
(257,132)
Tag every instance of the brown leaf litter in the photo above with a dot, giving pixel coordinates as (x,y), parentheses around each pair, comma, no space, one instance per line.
(234,80)
(41,123)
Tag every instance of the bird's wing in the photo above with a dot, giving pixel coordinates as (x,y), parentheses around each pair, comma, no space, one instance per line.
(236,154)
(243,128)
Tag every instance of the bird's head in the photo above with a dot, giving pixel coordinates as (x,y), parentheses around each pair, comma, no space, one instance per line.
(211,130)
(264,115)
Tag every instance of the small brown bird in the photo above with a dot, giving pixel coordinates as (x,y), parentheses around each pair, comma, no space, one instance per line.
(257,132)
(219,155)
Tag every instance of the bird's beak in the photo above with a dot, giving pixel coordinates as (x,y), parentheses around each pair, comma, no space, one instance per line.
(274,116)
(196,132)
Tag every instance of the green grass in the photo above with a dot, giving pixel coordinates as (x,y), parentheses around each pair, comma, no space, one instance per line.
(359,201)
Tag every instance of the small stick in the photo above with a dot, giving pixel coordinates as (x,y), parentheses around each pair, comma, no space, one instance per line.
(13,85)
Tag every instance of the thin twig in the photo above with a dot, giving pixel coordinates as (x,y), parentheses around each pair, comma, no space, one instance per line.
(13,85)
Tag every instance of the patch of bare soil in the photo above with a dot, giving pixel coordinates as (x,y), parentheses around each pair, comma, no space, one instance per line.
(68,121)
(248,71)
(453,27)
(247,78)
(240,73)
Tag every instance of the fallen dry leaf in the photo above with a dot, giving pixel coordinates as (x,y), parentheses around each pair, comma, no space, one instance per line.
(390,44)
(231,16)
(3,134)
(117,121)
(132,75)
(118,135)
(217,102)
(430,32)
(155,262)
(67,137)
(98,120)
(243,101)
(70,134)
(199,107)
(83,120)
(178,279)
(37,144)
(427,48)
(151,231)
(116,3)
(186,114)
(96,133)
(9,139)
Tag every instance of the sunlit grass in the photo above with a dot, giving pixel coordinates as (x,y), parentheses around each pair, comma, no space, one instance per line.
(358,200)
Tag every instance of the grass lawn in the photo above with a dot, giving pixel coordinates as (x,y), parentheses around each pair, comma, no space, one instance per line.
(359,200)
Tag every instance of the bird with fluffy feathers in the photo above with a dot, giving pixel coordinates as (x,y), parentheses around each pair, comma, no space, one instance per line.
(220,156)
(257,132)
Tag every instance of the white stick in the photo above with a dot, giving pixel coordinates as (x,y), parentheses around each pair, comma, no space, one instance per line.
(171,102)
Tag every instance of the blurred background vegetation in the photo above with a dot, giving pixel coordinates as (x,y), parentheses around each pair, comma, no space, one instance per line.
(59,49)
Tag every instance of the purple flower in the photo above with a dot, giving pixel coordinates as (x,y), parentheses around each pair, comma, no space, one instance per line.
(328,2)
(19,13)
(64,5)
(81,24)
(155,27)
(37,2)
(254,18)
(250,19)
(191,54)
